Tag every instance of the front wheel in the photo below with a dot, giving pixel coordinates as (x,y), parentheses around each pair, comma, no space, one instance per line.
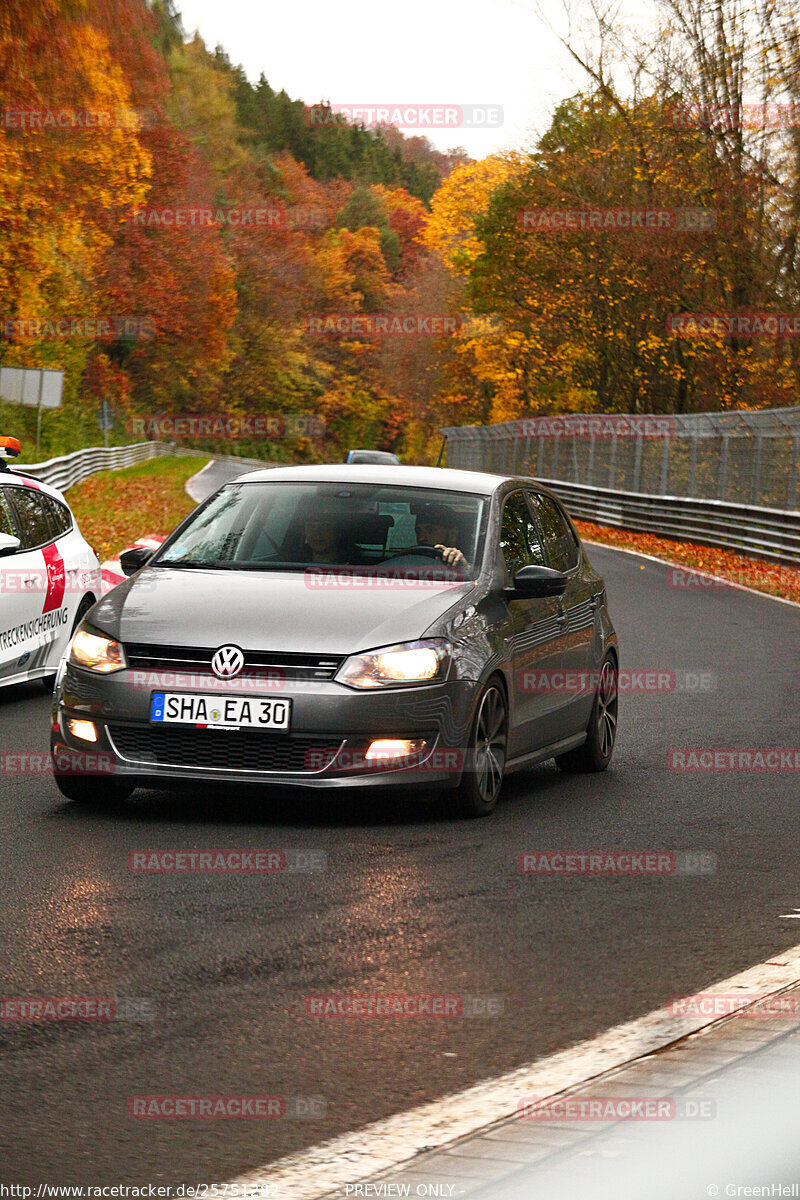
(601,733)
(482,779)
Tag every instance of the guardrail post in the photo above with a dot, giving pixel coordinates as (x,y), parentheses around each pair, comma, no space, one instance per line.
(637,464)
(692,467)
(791,496)
(757,470)
(612,466)
(722,482)
(665,463)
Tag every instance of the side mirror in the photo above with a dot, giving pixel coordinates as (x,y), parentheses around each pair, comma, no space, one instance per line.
(8,544)
(133,560)
(537,582)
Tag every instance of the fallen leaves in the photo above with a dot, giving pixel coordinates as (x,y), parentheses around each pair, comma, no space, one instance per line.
(774,578)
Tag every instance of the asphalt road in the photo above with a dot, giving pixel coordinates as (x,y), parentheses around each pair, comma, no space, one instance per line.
(409,902)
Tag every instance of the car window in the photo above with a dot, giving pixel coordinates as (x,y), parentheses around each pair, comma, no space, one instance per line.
(58,515)
(6,518)
(289,526)
(519,538)
(33,522)
(560,547)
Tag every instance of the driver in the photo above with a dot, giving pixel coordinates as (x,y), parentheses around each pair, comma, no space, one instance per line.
(437,525)
(324,540)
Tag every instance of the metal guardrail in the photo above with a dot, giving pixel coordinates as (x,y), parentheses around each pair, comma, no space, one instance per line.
(753,455)
(739,456)
(64,472)
(70,469)
(763,532)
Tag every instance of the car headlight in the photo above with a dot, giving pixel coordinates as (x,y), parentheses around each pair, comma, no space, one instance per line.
(391,666)
(95,652)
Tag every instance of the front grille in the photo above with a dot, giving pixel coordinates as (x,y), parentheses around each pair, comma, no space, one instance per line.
(197,659)
(225,750)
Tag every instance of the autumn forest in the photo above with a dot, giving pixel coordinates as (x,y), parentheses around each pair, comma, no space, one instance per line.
(181,240)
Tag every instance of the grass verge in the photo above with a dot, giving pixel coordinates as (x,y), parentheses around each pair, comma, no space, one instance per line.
(114,508)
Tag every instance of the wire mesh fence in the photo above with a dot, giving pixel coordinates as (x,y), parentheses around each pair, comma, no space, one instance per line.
(743,457)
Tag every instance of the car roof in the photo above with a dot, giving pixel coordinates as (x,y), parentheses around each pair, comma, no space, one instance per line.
(439,478)
(17,479)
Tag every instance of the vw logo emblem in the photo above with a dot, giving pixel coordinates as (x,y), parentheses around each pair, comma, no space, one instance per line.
(227,662)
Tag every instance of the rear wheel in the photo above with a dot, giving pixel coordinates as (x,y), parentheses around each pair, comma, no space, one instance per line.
(482,779)
(601,733)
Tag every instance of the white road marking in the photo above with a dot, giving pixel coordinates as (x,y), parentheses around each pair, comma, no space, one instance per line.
(194,478)
(386,1144)
(792,916)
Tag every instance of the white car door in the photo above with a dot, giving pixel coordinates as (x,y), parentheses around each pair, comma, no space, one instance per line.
(17,602)
(34,608)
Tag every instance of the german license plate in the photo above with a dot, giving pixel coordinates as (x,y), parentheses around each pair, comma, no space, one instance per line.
(213,712)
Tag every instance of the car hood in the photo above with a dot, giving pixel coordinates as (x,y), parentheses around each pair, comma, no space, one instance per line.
(280,611)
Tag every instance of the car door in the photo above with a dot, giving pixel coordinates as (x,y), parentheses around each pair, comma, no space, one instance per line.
(41,574)
(14,600)
(578,605)
(536,625)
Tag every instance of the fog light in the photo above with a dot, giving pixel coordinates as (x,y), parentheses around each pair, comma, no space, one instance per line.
(84,730)
(388,748)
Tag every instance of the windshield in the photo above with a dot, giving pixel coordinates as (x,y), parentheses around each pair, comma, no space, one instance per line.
(415,532)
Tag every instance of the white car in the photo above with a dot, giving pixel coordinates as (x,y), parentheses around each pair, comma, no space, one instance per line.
(49,575)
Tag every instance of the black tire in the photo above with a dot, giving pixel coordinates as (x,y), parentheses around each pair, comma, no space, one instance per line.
(85,789)
(48,682)
(482,779)
(601,733)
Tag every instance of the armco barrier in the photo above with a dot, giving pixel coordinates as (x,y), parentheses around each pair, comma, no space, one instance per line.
(763,532)
(765,442)
(70,469)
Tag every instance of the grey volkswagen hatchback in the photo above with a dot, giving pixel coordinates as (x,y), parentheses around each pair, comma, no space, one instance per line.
(345,626)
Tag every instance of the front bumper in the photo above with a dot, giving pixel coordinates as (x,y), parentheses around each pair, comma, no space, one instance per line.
(331,728)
